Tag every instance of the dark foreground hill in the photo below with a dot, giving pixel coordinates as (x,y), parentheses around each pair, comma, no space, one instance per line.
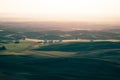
(36,68)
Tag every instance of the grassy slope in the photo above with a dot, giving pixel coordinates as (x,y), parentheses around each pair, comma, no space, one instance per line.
(87,62)
(80,46)
(101,50)
(36,68)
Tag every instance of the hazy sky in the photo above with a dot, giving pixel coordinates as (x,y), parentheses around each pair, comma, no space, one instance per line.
(60,10)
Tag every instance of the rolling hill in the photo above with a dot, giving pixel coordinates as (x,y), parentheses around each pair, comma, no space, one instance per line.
(34,68)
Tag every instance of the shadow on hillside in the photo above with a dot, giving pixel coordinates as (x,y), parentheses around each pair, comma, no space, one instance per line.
(80,46)
(26,67)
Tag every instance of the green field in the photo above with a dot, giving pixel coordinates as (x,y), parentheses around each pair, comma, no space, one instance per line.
(60,61)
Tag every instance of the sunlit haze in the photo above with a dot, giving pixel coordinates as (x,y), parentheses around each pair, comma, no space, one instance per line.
(60,10)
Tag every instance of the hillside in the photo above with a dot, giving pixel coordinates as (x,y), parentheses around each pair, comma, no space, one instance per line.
(109,51)
(64,61)
(34,68)
(80,46)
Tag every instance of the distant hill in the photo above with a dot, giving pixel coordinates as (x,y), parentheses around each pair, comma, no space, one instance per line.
(63,26)
(58,30)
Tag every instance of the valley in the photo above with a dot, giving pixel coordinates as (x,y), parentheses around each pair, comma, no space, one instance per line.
(59,55)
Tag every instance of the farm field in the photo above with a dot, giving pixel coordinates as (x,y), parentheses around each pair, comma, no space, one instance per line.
(29,60)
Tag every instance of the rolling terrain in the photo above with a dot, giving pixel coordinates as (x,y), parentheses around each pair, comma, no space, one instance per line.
(25,58)
(66,61)
(37,68)
(47,30)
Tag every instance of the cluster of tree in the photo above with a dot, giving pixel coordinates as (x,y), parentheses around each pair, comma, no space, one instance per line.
(17,42)
(3,48)
(50,41)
